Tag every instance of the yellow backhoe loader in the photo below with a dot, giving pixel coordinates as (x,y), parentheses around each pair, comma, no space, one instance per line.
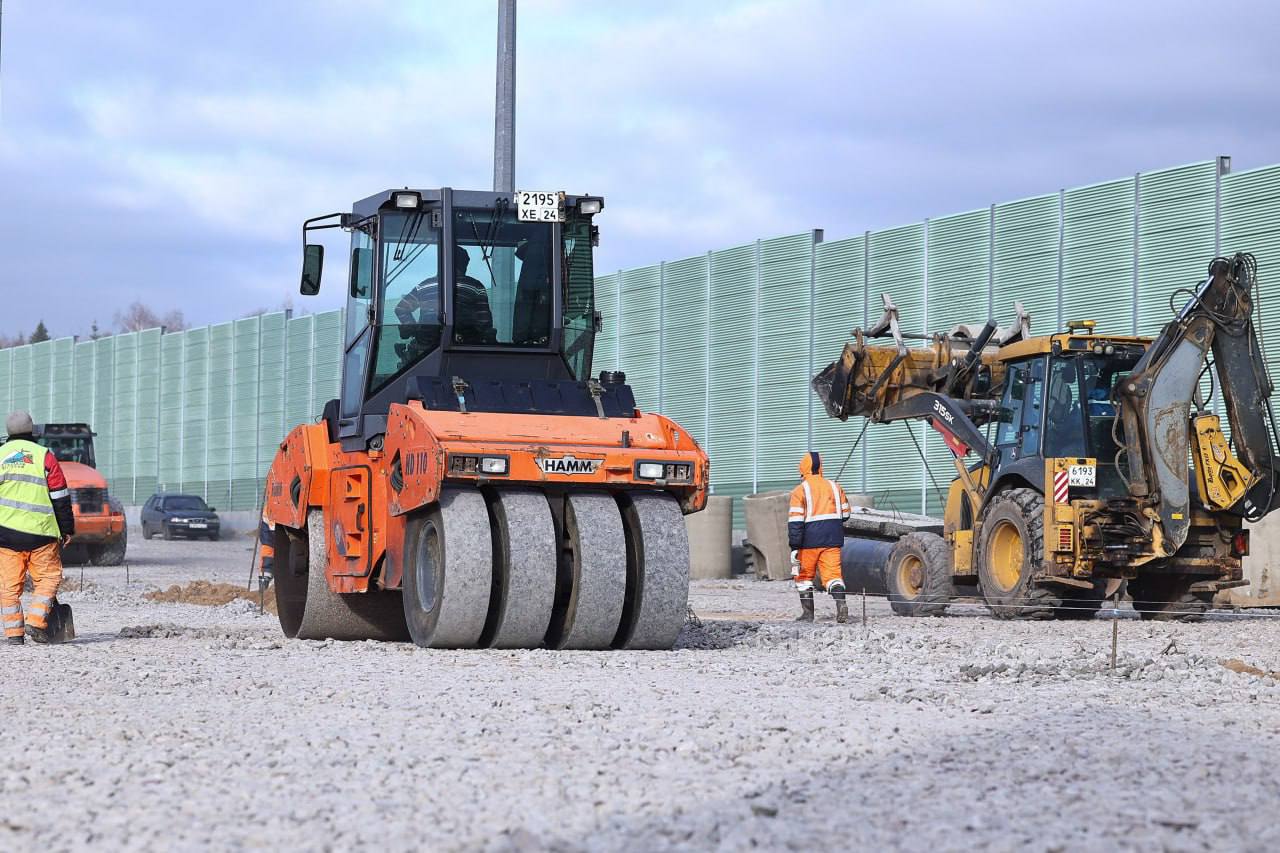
(1084,460)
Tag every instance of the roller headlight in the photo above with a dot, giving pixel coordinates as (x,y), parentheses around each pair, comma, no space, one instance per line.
(651,470)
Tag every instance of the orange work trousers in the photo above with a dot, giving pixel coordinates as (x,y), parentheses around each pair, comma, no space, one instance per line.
(823,563)
(44,565)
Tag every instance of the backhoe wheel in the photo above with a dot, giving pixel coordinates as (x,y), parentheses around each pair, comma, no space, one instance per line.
(112,553)
(524,579)
(918,575)
(1010,547)
(591,582)
(448,571)
(1168,598)
(309,610)
(657,596)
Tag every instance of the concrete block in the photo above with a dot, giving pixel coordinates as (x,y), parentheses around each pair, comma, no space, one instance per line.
(1261,567)
(767,532)
(710,540)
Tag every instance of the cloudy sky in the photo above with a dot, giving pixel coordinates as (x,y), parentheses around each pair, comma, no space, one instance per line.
(169,152)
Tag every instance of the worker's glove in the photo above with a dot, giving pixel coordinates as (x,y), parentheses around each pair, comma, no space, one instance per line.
(795,564)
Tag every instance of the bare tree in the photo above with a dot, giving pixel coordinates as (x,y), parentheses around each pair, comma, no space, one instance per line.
(137,317)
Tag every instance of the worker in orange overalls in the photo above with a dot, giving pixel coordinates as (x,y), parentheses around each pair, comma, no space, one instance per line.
(815,531)
(36,520)
(266,552)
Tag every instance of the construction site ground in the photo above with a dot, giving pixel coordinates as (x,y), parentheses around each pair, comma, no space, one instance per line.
(170,725)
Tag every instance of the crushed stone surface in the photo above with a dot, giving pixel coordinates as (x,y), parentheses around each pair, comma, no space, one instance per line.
(179,725)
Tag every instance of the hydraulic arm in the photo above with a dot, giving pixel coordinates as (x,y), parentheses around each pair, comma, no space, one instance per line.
(1160,434)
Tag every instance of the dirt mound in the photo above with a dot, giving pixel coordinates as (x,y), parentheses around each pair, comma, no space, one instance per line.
(208,594)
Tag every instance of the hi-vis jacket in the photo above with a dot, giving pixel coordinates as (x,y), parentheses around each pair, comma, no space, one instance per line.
(818,509)
(35,504)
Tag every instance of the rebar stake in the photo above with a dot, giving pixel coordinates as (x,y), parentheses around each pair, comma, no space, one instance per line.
(1115,638)
(864,607)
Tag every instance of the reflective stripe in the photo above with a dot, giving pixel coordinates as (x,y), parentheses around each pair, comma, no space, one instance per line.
(22,478)
(43,598)
(808,499)
(835,583)
(60,493)
(17,608)
(804,586)
(829,516)
(26,507)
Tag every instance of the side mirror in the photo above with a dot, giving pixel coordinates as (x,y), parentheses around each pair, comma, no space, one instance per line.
(213,509)
(312,264)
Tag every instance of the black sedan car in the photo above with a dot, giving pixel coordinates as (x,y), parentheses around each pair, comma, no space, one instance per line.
(173,515)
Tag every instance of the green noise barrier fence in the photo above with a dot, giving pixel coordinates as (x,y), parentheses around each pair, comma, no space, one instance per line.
(724,343)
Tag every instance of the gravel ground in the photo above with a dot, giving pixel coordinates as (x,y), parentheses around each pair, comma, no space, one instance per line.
(168,726)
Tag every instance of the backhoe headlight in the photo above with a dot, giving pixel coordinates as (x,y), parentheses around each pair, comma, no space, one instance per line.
(589,206)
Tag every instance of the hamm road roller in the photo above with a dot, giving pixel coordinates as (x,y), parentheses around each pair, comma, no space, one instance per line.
(473,486)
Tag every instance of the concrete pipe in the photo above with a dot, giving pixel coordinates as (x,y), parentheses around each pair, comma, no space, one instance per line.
(710,535)
(862,563)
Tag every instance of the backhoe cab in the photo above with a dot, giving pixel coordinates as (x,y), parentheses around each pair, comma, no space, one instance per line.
(472,485)
(1083,441)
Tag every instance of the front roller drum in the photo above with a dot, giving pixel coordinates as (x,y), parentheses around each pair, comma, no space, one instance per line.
(657,602)
(309,610)
(448,571)
(592,577)
(524,581)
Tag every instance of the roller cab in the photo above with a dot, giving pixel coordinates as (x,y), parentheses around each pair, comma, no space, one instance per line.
(474,485)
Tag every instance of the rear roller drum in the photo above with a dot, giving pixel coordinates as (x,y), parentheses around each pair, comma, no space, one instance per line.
(309,610)
(524,580)
(657,598)
(448,572)
(591,582)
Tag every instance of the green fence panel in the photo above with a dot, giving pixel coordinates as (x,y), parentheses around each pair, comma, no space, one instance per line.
(221,395)
(641,347)
(124,415)
(895,471)
(731,442)
(172,387)
(782,324)
(102,417)
(1177,221)
(839,306)
(1098,256)
(271,395)
(684,344)
(41,398)
(606,345)
(299,341)
(959,271)
(83,355)
(195,412)
(146,434)
(63,380)
(326,354)
(6,380)
(1251,223)
(244,407)
(20,370)
(1025,265)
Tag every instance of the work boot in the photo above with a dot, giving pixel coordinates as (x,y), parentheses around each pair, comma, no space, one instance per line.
(38,635)
(806,606)
(14,641)
(842,606)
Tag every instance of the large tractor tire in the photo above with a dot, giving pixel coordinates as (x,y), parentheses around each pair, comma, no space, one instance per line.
(448,571)
(1010,547)
(112,553)
(918,575)
(1168,598)
(309,610)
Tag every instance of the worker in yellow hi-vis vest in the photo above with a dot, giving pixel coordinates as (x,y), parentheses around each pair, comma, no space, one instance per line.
(35,522)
